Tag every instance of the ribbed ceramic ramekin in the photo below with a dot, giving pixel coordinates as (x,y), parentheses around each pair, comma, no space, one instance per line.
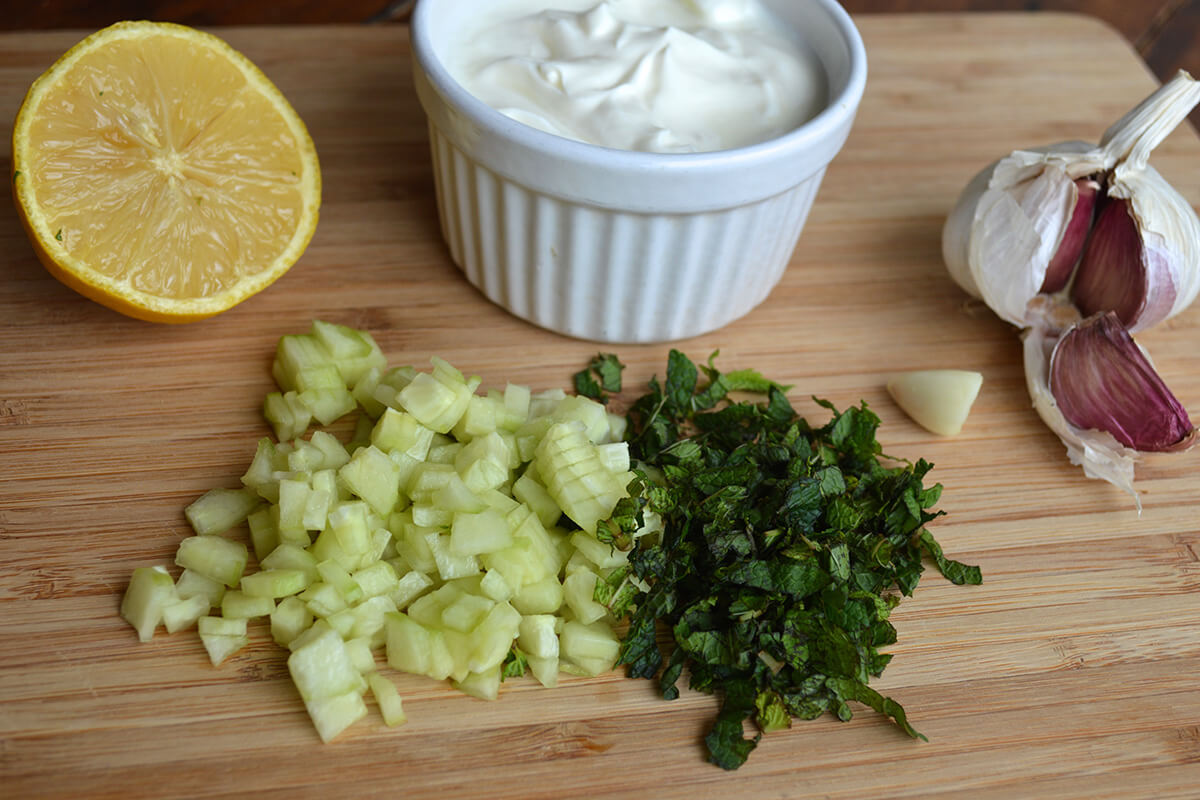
(619,246)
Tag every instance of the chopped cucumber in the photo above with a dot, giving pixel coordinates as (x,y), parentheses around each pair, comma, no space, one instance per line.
(432,534)
(150,590)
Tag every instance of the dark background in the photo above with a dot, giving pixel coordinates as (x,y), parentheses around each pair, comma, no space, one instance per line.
(1165,32)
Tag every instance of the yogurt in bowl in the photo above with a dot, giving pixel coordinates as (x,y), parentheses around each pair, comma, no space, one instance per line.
(647,212)
(661,76)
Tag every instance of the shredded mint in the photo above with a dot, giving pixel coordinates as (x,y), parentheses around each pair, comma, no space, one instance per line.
(785,547)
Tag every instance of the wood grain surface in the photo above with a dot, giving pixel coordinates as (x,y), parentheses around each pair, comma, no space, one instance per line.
(1071,672)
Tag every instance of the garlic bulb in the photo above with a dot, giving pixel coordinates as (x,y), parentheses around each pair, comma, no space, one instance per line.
(1081,245)
(1021,227)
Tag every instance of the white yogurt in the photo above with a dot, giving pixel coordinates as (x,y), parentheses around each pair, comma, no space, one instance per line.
(664,76)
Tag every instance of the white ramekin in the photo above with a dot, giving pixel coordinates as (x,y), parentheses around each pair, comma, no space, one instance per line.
(619,246)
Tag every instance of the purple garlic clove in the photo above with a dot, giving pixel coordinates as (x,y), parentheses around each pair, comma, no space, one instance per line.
(1058,272)
(1101,380)
(1111,275)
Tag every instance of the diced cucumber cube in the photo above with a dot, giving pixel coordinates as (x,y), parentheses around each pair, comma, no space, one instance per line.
(322,668)
(591,415)
(428,609)
(236,604)
(541,597)
(520,563)
(264,533)
(494,586)
(222,637)
(353,351)
(456,496)
(222,560)
(450,565)
(291,557)
(323,599)
(218,510)
(391,706)
(290,618)
(325,376)
(516,405)
(335,575)
(494,636)
(578,589)
(617,425)
(483,464)
(410,587)
(426,478)
(193,583)
(592,648)
(537,636)
(484,685)
(295,354)
(369,615)
(364,393)
(374,477)
(332,715)
(443,450)
(398,431)
(614,456)
(533,494)
(184,613)
(276,583)
(333,452)
(288,416)
(603,555)
(545,669)
(150,590)
(259,475)
(327,548)
(482,416)
(431,516)
(497,500)
(293,500)
(434,404)
(543,403)
(466,612)
(220,648)
(348,521)
(413,648)
(376,579)
(474,534)
(361,656)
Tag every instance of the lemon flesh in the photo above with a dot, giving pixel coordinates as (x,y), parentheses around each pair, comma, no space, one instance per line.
(159,172)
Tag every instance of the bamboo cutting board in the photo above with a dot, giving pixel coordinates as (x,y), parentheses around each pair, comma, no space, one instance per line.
(1071,672)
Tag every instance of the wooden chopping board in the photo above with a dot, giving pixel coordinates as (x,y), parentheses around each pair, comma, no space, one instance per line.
(1072,672)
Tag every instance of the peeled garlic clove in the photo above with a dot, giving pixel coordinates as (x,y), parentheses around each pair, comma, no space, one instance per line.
(1075,236)
(1102,380)
(938,400)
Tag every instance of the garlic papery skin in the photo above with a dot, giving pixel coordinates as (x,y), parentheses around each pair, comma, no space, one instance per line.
(1007,225)
(1015,229)
(1102,380)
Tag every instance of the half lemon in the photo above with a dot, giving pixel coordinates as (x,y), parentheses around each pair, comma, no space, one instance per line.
(160,173)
